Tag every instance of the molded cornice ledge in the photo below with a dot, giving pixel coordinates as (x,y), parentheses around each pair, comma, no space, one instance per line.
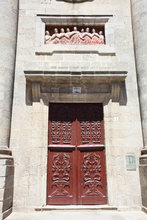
(54,48)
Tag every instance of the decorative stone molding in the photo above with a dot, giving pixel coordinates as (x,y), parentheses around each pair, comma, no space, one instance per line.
(65,21)
(60,86)
(36,91)
(115,91)
(99,49)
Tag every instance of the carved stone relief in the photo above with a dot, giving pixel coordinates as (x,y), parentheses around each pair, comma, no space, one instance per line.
(74,36)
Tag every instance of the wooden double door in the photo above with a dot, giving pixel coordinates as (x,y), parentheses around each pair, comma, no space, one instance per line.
(76,155)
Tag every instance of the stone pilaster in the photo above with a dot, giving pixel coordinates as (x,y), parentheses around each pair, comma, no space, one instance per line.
(139,20)
(8,33)
(8,29)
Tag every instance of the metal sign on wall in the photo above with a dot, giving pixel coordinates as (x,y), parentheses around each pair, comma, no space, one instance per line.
(130,161)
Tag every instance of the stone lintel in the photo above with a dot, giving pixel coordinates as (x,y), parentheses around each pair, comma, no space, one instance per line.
(58,85)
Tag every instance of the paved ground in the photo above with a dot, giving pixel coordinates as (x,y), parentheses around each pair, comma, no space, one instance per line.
(79,215)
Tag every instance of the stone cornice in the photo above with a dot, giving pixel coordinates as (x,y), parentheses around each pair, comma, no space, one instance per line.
(58,86)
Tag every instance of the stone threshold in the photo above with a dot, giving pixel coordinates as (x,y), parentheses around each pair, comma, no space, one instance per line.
(75,207)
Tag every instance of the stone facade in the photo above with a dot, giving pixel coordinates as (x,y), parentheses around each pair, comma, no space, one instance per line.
(8,35)
(46,73)
(139,13)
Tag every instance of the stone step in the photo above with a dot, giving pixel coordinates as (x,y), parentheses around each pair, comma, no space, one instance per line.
(79,215)
(75,207)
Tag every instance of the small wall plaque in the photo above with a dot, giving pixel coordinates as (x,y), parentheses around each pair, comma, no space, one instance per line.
(130,161)
(76,90)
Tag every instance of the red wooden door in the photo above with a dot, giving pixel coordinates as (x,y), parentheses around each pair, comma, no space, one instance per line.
(76,155)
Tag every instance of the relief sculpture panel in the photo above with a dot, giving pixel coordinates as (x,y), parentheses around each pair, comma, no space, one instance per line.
(91,173)
(74,35)
(61,168)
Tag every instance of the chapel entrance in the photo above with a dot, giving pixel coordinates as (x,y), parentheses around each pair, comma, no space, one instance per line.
(76,155)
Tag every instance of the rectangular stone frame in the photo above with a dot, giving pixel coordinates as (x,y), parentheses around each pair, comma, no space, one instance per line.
(42,20)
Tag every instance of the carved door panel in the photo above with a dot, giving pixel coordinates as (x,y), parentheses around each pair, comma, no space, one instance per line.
(76,161)
(61,155)
(92,179)
(91,155)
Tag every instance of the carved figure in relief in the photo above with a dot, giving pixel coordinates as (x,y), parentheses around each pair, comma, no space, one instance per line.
(63,38)
(82,30)
(74,37)
(55,37)
(87,36)
(95,37)
(47,37)
(101,37)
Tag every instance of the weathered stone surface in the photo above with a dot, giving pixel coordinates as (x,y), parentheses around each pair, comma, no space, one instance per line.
(92,215)
(139,18)
(8,14)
